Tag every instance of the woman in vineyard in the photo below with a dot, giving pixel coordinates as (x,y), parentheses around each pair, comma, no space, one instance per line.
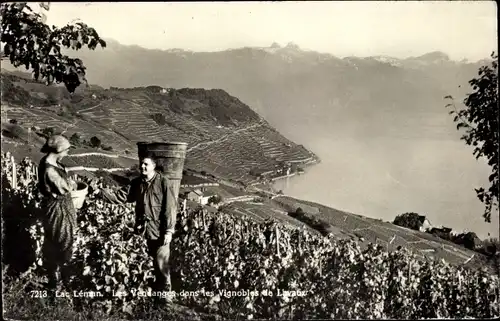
(149,192)
(59,219)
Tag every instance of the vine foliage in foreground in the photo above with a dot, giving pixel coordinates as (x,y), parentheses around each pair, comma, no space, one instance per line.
(217,257)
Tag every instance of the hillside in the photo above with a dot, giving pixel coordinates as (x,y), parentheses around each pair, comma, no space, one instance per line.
(225,137)
(369,230)
(303,93)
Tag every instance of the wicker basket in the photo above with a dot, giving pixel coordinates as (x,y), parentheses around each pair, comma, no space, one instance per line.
(78,196)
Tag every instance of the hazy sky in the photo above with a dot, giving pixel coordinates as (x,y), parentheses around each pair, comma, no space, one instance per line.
(401,29)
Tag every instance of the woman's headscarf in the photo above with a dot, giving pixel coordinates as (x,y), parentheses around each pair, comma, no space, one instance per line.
(56,144)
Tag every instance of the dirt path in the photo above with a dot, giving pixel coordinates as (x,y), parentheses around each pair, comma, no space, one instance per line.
(93,107)
(206,144)
(94,154)
(95,169)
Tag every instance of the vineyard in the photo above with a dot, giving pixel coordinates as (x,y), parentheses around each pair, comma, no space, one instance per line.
(387,234)
(42,118)
(240,269)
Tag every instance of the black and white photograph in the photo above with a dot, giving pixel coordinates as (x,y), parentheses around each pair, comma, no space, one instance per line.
(241,160)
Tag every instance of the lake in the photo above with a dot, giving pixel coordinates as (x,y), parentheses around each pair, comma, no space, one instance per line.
(381,176)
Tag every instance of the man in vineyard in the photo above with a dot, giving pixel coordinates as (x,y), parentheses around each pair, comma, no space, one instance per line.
(149,192)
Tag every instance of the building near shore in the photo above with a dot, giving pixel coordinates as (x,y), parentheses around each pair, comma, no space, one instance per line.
(199,195)
(425,223)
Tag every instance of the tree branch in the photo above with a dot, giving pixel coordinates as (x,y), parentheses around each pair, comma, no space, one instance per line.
(458,114)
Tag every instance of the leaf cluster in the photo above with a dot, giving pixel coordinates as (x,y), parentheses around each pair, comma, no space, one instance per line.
(27,41)
(480,120)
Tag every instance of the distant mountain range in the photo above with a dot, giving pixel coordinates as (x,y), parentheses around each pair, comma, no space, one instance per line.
(303,93)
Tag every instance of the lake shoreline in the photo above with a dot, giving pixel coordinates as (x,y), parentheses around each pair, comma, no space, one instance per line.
(435,179)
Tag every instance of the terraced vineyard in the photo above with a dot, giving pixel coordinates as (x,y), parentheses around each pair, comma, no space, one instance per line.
(360,229)
(258,147)
(225,137)
(259,212)
(217,252)
(29,117)
(387,234)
